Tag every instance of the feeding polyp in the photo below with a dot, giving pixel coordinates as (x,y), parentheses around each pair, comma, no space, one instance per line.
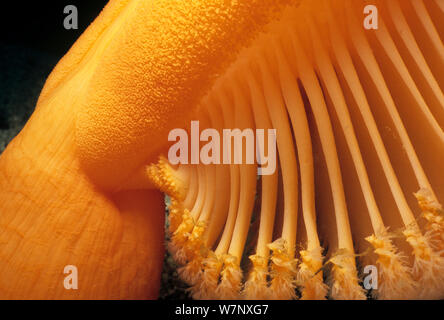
(358,116)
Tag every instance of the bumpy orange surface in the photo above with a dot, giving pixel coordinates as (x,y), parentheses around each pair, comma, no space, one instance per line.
(105,111)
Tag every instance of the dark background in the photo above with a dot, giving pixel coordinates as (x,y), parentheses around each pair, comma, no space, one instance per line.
(32,41)
(39,24)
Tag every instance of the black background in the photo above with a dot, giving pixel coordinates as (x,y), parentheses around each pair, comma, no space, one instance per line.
(32,41)
(39,24)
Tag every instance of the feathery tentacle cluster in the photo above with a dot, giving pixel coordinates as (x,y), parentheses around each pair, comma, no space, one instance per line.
(346,104)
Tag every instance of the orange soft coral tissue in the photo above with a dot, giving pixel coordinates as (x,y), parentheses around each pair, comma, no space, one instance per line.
(358,115)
